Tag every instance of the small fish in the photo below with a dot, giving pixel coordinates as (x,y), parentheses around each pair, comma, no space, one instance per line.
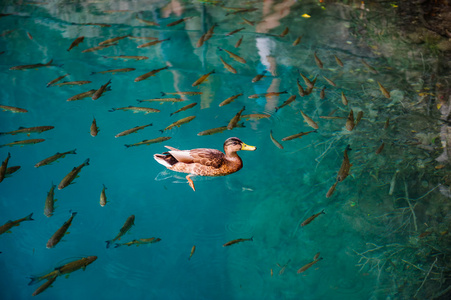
(387,123)
(359,117)
(237,241)
(217,130)
(56,80)
(149,74)
(316,256)
(372,70)
(44,286)
(136,109)
(278,145)
(80,82)
(235,119)
(345,166)
(28,130)
(67,180)
(307,266)
(53,158)
(238,43)
(4,167)
(132,130)
(255,116)
(112,40)
(381,147)
(241,10)
(23,142)
(298,135)
(319,63)
(50,202)
(182,93)
(148,44)
(11,170)
(322,94)
(384,90)
(139,242)
(126,227)
(350,121)
(230,99)
(202,78)
(103,197)
(331,117)
(148,142)
(339,62)
(272,273)
(98,48)
(178,21)
(94,24)
(233,56)
(94,129)
(114,71)
(179,122)
(186,107)
(193,249)
(270,94)
(311,218)
(344,100)
(227,66)
(282,268)
(58,235)
(97,94)
(201,41)
(248,22)
(76,42)
(301,90)
(284,32)
(234,31)
(151,23)
(127,57)
(329,81)
(258,77)
(297,41)
(10,224)
(287,102)
(82,95)
(309,121)
(34,66)
(331,189)
(308,83)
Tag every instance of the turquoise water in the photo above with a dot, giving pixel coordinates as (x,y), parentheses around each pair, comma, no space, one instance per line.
(275,191)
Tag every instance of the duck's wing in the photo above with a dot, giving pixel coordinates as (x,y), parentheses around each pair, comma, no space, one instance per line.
(172,148)
(203,156)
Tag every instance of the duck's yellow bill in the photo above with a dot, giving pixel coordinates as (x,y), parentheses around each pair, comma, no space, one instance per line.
(248,147)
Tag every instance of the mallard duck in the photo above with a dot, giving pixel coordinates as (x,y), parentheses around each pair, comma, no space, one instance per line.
(203,161)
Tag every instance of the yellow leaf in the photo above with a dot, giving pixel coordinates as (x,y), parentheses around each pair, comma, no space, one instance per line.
(305,16)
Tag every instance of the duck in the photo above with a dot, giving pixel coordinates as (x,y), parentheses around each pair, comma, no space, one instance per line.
(205,161)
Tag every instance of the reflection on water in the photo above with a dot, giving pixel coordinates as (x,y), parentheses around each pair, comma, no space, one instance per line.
(379,86)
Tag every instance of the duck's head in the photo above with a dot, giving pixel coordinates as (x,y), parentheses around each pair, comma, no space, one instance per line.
(234,144)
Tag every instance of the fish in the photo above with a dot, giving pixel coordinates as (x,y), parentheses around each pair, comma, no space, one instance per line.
(148,142)
(238,43)
(287,102)
(152,43)
(126,227)
(186,107)
(319,63)
(339,62)
(136,109)
(65,269)
(114,71)
(94,129)
(80,82)
(235,119)
(23,142)
(139,242)
(322,94)
(82,95)
(126,57)
(227,66)
(93,24)
(182,93)
(193,249)
(237,241)
(278,145)
(308,83)
(372,70)
(248,22)
(151,23)
(28,130)
(329,81)
(301,90)
(331,189)
(233,56)
(13,109)
(384,90)
(132,130)
(345,166)
(331,117)
(56,80)
(58,235)
(209,33)
(270,94)
(350,121)
(316,256)
(309,121)
(144,38)
(282,268)
(178,21)
(284,32)
(297,40)
(92,49)
(344,100)
(387,123)
(44,286)
(149,74)
(298,135)
(255,116)
(11,170)
(241,10)
(201,41)
(67,180)
(359,117)
(179,122)
(33,66)
(4,167)
(217,130)
(202,78)
(10,224)
(311,218)
(52,158)
(258,77)
(97,94)
(50,202)
(112,40)
(272,273)
(103,197)
(76,42)
(307,266)
(234,31)
(381,147)
(230,99)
